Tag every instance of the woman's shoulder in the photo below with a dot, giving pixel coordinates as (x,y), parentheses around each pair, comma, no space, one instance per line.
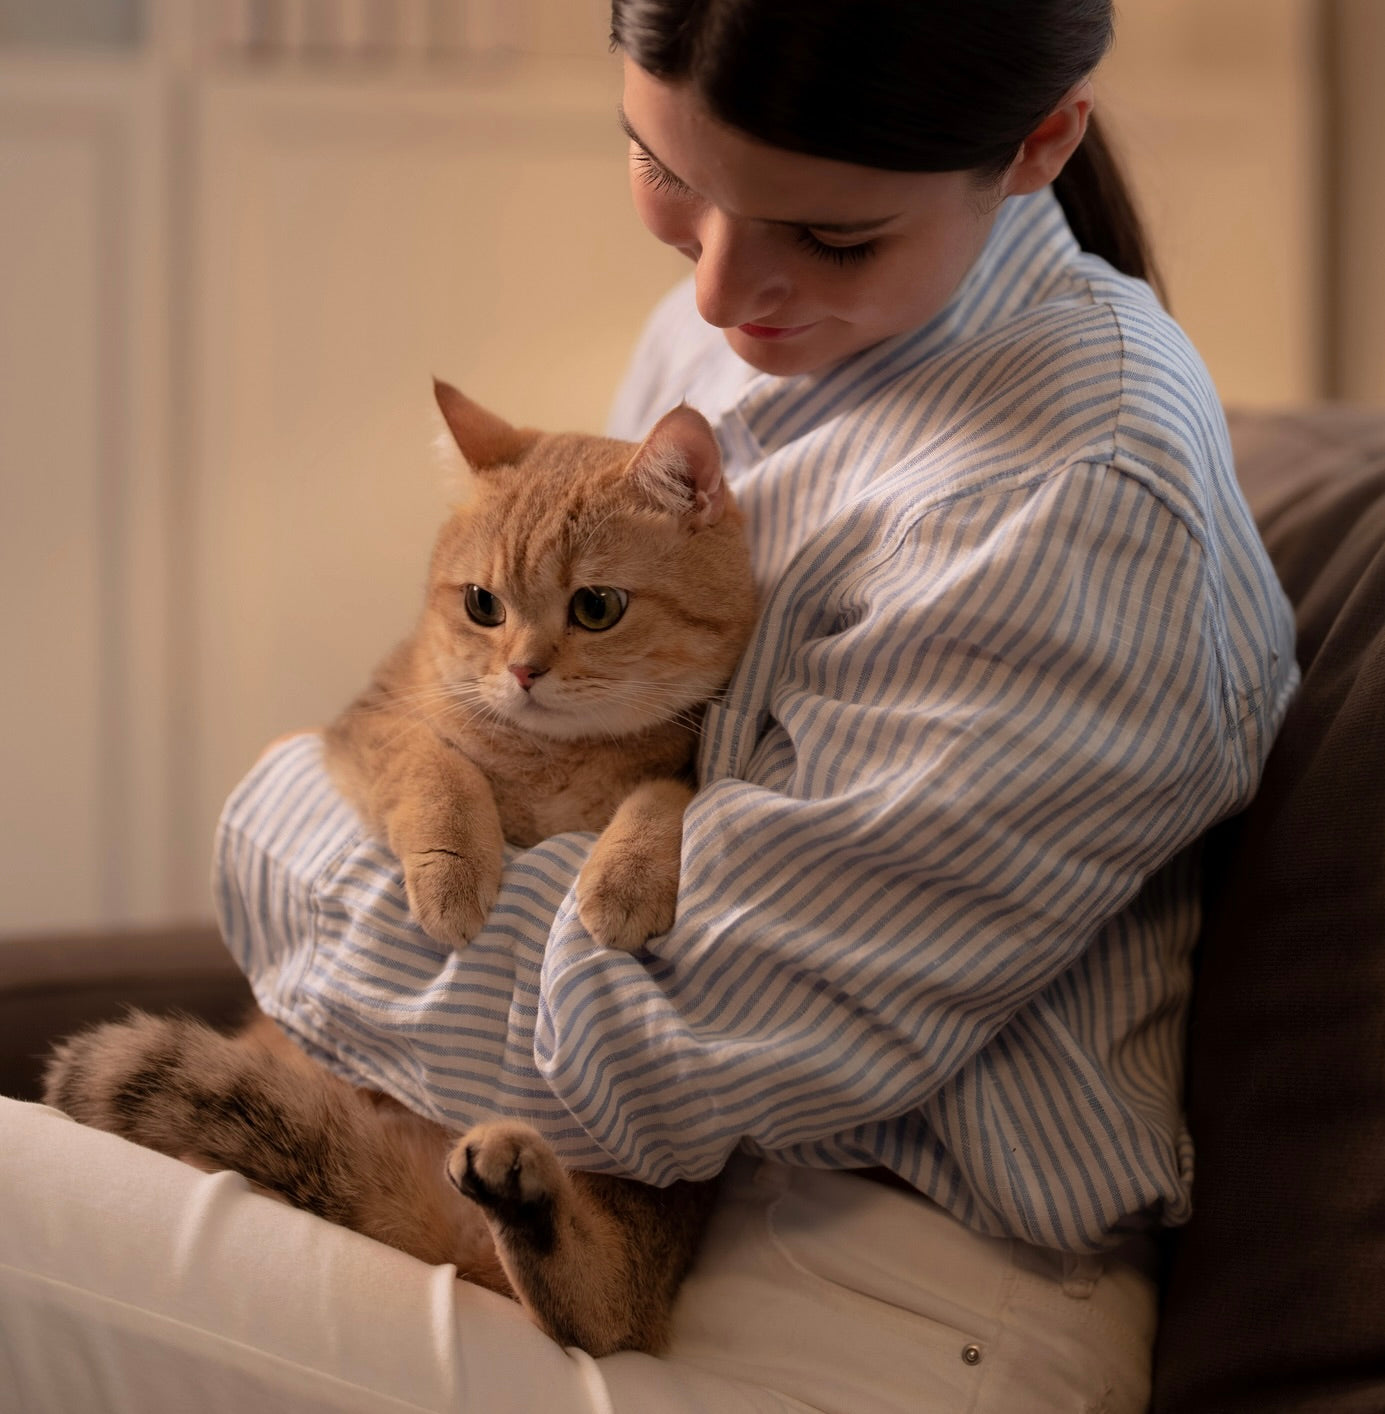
(1116,323)
(1168,425)
(1092,371)
(1158,373)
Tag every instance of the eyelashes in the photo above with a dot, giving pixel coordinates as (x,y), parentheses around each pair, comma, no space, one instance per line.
(657,177)
(837,254)
(660,179)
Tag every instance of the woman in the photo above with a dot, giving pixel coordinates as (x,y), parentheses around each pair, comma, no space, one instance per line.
(1020,647)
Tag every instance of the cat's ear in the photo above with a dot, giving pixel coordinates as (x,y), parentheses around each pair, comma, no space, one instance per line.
(678,467)
(484,439)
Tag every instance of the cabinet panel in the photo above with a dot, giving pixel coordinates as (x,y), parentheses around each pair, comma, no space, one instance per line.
(83,824)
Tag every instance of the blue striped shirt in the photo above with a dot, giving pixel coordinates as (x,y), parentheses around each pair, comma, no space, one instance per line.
(1020,646)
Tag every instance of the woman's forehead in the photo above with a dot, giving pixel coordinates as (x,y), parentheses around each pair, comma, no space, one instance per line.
(751,179)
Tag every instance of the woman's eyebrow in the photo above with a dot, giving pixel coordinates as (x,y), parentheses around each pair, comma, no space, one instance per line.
(841,228)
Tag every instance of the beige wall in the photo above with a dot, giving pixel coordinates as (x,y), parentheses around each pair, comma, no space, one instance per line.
(1216,106)
(1357,132)
(1255,133)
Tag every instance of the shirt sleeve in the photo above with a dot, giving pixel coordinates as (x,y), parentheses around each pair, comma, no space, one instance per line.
(975,752)
(952,757)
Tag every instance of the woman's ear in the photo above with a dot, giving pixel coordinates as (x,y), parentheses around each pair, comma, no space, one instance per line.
(1048,147)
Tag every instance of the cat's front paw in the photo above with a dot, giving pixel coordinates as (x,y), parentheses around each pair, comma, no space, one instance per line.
(623,902)
(627,891)
(510,1172)
(450,894)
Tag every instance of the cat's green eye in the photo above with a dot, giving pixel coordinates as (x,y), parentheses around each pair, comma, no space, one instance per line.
(598,606)
(482,606)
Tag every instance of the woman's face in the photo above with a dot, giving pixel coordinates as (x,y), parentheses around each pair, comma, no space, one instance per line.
(801,260)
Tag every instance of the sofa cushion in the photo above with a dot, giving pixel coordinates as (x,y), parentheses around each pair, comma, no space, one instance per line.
(53,986)
(1276,1293)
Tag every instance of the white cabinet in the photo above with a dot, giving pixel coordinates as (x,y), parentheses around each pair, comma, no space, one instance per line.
(84,789)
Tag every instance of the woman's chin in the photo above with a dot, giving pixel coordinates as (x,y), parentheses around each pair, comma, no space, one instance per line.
(784,357)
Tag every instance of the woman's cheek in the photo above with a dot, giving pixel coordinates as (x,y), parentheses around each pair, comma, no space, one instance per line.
(665,219)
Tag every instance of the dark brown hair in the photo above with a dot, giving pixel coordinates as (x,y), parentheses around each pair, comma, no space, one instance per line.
(905,85)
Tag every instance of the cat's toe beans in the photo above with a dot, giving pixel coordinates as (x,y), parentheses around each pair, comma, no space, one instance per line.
(505,1165)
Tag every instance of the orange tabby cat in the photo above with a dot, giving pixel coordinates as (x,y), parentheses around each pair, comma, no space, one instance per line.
(577,611)
(580,608)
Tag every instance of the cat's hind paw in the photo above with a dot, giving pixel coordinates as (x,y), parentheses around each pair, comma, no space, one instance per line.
(511,1173)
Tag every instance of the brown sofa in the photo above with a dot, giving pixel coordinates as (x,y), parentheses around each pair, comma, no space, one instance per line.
(1275,1292)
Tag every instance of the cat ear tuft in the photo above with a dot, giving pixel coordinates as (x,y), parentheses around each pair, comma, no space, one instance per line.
(484,439)
(678,467)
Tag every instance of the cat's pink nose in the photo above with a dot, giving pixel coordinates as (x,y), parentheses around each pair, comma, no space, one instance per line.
(525,673)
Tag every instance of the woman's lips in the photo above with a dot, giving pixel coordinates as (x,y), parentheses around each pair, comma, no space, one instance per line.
(770,331)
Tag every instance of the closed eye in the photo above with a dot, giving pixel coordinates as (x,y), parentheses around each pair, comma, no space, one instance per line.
(658,178)
(837,254)
(654,174)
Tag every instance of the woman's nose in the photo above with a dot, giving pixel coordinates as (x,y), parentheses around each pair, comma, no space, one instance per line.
(738,278)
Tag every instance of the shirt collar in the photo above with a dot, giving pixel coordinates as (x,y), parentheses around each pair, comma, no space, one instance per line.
(1025,256)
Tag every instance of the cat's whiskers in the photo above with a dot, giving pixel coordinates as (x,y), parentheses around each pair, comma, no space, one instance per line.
(439,697)
(609,683)
(638,705)
(487,711)
(654,696)
(480,705)
(416,721)
(417,697)
(445,700)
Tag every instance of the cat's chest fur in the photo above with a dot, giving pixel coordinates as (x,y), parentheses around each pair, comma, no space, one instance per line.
(545,788)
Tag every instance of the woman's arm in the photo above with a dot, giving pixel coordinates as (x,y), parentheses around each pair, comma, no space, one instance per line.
(950,783)
(1009,726)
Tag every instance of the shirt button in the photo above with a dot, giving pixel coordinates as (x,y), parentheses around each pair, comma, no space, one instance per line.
(971,1354)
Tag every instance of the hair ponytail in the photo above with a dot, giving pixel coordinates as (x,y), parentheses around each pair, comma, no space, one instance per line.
(1096,199)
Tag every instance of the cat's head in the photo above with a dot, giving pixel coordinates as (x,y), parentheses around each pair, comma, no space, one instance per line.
(589,587)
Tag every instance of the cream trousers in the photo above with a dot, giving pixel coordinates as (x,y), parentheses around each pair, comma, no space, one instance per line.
(135,1284)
